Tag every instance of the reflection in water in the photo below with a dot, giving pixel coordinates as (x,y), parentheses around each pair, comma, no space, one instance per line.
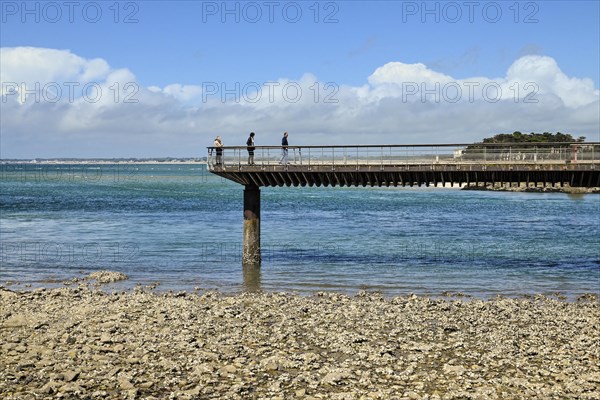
(251,278)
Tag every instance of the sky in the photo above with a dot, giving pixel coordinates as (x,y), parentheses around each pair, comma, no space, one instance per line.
(163,78)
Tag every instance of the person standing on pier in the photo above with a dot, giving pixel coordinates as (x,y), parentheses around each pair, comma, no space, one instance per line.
(219,150)
(250,144)
(284,149)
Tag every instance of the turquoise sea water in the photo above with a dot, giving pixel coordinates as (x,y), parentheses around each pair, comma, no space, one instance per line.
(182,227)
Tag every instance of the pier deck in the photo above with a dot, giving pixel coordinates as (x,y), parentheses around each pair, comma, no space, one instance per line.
(575,164)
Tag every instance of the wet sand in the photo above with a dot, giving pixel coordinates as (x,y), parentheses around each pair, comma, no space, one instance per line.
(81,342)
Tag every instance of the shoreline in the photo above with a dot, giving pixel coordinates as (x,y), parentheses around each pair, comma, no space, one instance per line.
(88,343)
(524,188)
(159,289)
(155,286)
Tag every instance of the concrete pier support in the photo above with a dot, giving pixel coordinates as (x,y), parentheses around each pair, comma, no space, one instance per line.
(252,278)
(251,249)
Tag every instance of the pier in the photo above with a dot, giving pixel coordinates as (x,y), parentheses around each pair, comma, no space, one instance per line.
(575,164)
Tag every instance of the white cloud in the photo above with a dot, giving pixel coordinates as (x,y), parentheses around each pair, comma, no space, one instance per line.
(184,93)
(574,92)
(32,64)
(108,113)
(397,72)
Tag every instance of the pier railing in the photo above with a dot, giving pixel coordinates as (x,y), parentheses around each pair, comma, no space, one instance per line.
(420,154)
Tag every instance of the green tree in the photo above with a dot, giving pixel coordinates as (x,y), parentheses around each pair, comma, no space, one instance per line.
(519,137)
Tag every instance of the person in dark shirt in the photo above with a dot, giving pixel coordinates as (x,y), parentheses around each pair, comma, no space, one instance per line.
(284,149)
(250,144)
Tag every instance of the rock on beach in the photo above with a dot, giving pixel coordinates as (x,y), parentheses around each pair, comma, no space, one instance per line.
(107,276)
(84,343)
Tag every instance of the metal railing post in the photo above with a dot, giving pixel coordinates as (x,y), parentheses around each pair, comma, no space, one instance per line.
(333,158)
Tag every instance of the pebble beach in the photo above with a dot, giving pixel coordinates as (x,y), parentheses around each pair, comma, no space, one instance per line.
(88,343)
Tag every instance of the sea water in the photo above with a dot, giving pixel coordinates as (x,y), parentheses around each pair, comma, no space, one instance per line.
(181,226)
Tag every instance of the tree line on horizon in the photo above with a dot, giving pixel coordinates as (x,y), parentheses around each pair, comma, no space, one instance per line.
(546,137)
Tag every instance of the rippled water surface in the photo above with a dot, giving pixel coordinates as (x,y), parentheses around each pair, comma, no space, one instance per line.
(182,227)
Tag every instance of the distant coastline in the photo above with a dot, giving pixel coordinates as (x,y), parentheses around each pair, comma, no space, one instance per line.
(523,188)
(58,161)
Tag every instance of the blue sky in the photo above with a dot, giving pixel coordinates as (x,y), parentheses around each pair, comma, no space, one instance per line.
(187,43)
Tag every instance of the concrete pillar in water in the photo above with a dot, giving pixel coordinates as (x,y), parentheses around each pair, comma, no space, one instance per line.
(252,278)
(251,250)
